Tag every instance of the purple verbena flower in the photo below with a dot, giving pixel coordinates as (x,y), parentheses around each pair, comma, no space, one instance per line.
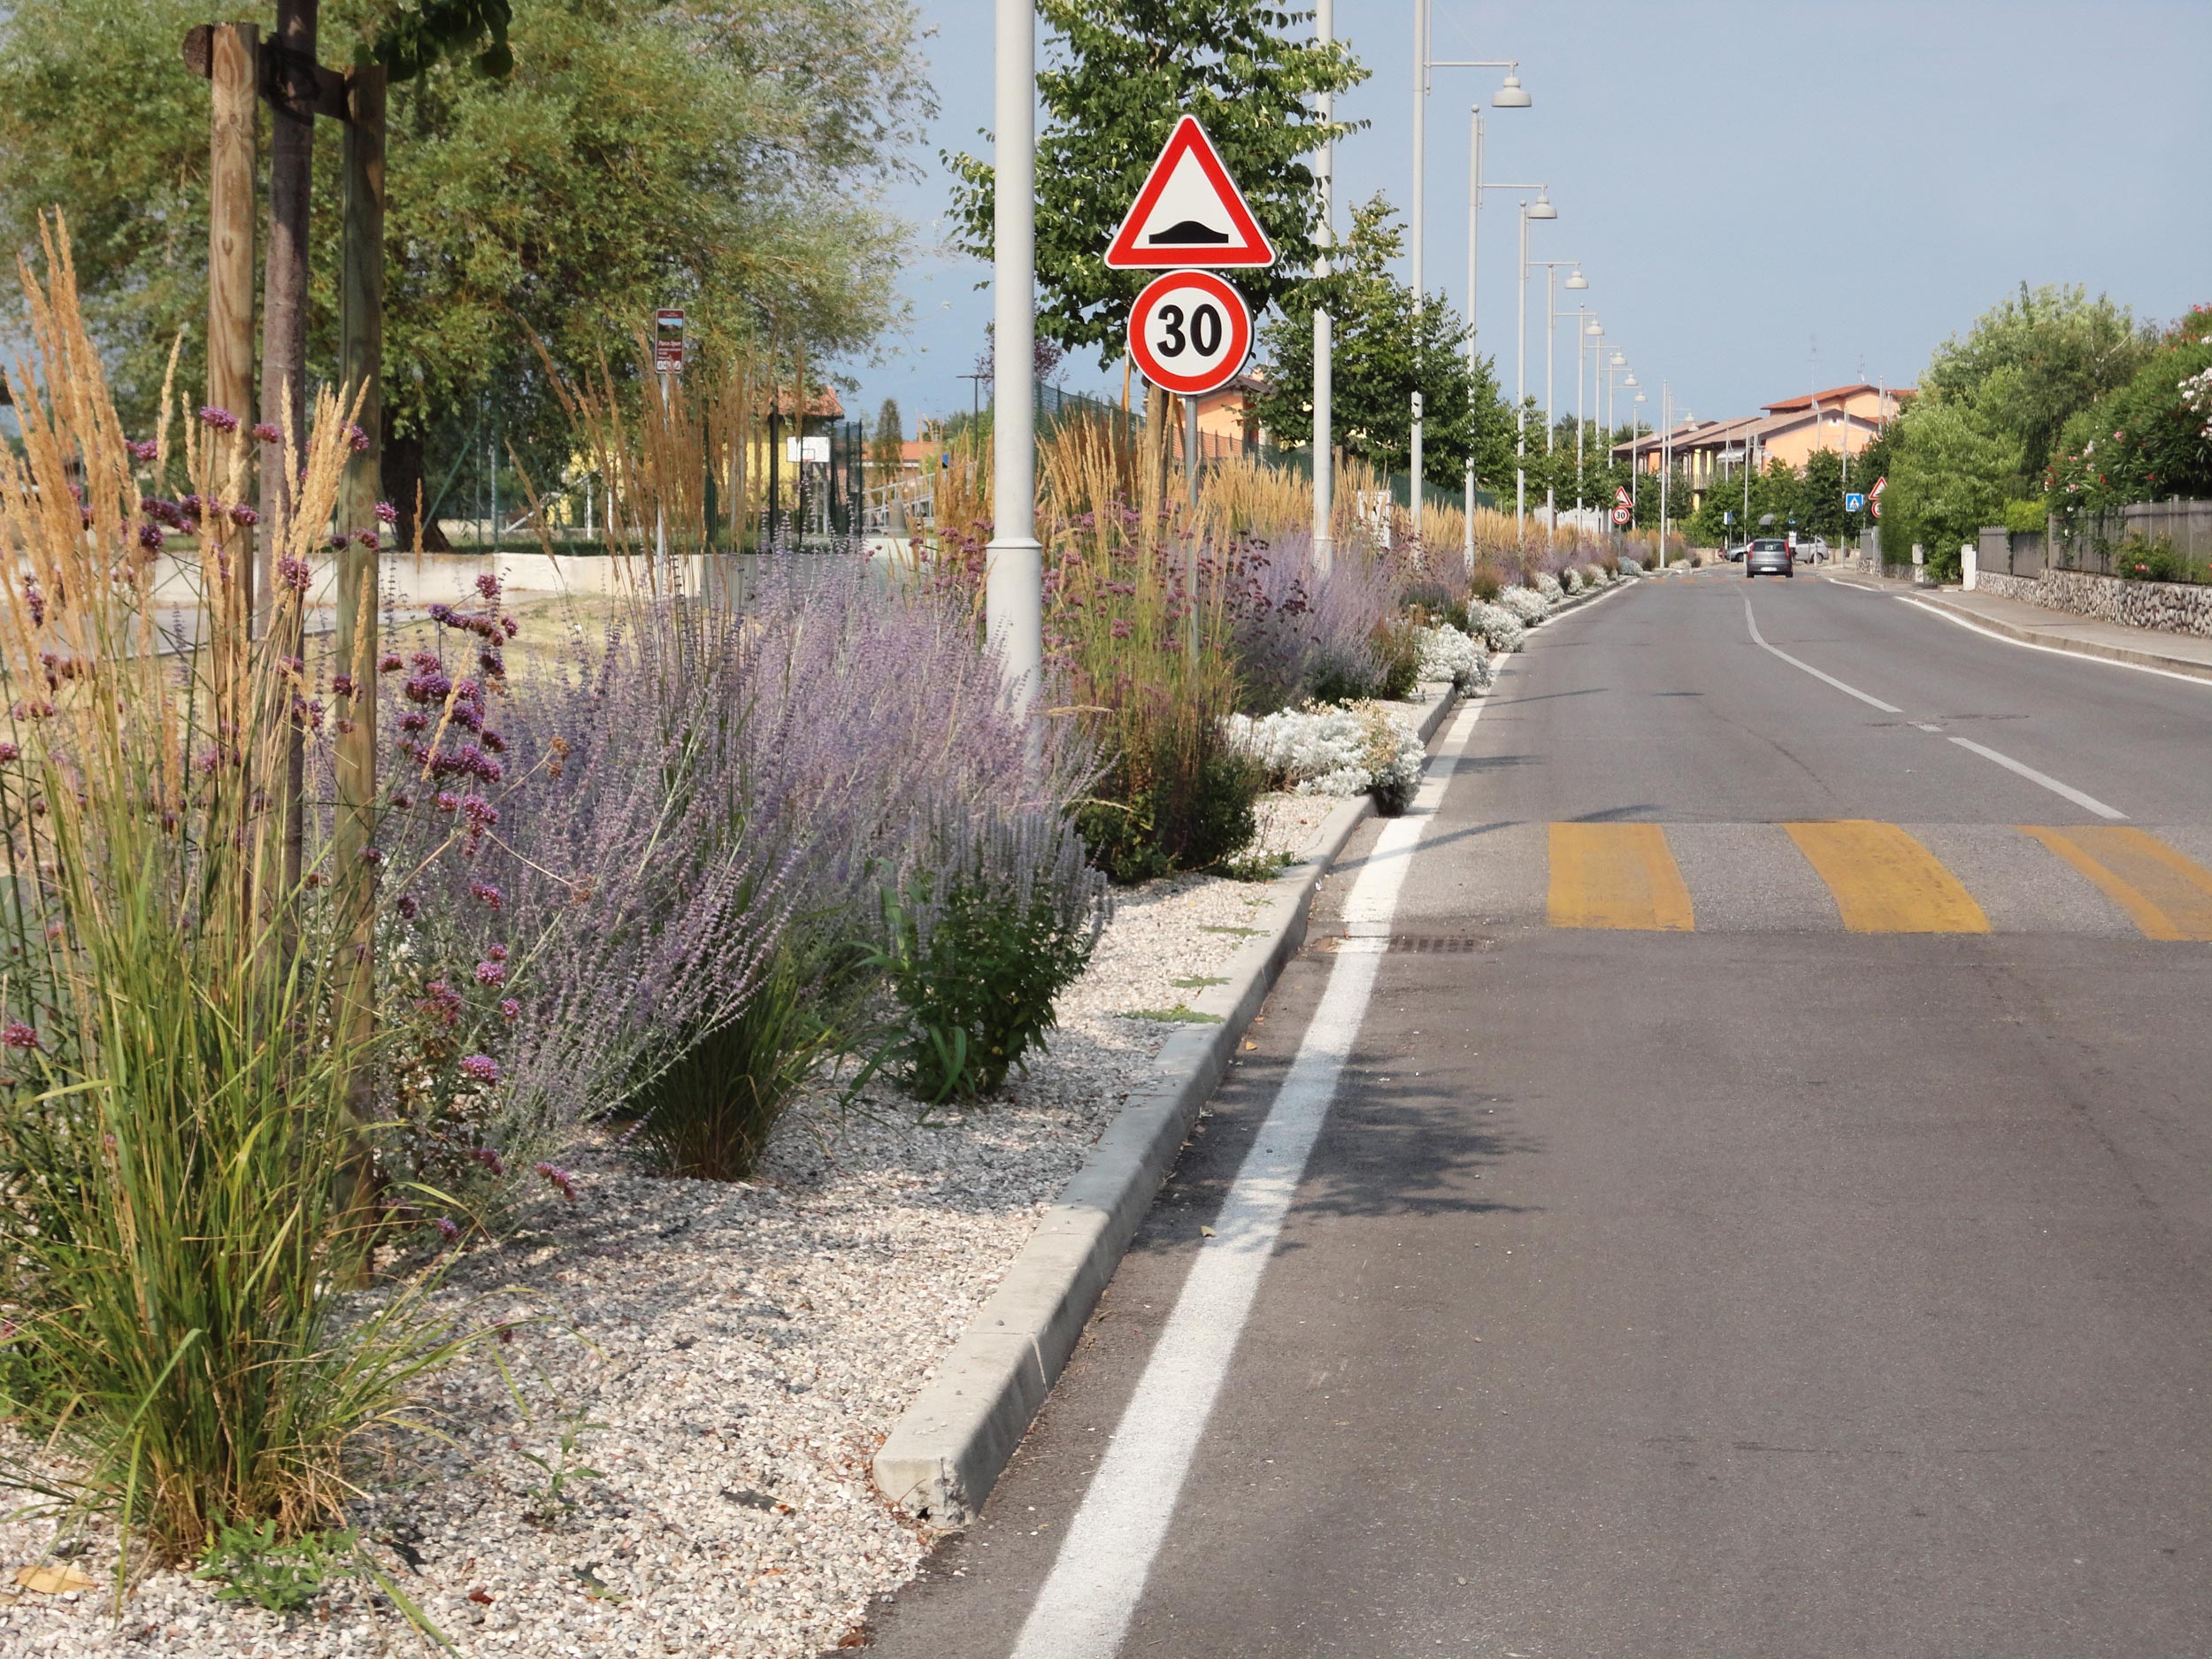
(491,973)
(409,907)
(292,572)
(389,663)
(221,419)
(387,513)
(146,449)
(487,585)
(244,515)
(267,431)
(480,1068)
(487,894)
(16,1034)
(446,1228)
(561,1178)
(511,1010)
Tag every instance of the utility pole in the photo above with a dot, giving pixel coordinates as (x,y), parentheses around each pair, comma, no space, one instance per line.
(1666,463)
(1014,562)
(1323,345)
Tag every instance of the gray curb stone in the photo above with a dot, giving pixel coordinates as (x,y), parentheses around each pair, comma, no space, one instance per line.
(946,1453)
(2061,642)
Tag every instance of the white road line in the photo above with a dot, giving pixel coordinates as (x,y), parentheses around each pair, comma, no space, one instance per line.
(1083,1610)
(2087,801)
(2053,650)
(1759,639)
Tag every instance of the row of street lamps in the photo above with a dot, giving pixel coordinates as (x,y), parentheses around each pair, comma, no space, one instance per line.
(1590,335)
(1013,589)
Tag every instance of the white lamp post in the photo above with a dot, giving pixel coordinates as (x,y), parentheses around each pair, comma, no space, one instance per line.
(1323,366)
(1542,208)
(1013,590)
(1575,279)
(1586,342)
(1635,461)
(1510,95)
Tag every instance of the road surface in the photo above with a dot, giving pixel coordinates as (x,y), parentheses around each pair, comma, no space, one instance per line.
(1762,1210)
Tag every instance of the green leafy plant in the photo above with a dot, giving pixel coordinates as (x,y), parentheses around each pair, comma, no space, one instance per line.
(2139,559)
(559,1467)
(980,943)
(254,1564)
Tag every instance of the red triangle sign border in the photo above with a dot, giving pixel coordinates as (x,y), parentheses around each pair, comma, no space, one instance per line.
(1249,250)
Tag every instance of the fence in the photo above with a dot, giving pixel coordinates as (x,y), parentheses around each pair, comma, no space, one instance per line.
(2091,542)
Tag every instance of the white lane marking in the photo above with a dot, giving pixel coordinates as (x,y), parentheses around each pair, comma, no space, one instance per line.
(2088,801)
(1083,1610)
(2203,680)
(1759,639)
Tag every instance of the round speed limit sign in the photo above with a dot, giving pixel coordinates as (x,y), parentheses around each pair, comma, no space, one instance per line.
(1190,332)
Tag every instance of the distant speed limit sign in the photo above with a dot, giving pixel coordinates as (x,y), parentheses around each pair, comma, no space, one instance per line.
(1189,332)
(1620,515)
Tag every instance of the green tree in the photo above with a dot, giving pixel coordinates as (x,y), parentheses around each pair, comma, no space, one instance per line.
(1120,73)
(717,154)
(1947,480)
(1380,357)
(2029,364)
(2142,442)
(890,434)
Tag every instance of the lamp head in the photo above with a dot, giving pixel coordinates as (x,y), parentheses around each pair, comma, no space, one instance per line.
(1542,208)
(1511,95)
(1593,328)
(1619,362)
(1633,381)
(1639,397)
(1577,280)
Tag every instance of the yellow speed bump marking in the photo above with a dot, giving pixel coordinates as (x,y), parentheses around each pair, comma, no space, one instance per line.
(1617,875)
(1883,881)
(2166,896)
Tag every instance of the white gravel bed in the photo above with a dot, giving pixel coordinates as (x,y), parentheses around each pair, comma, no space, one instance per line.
(734,1353)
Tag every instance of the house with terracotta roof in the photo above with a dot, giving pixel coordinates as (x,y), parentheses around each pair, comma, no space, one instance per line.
(1845,417)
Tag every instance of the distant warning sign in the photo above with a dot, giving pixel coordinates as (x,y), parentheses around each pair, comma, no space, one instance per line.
(1189,213)
(1189,332)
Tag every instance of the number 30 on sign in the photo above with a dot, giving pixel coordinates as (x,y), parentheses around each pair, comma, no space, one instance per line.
(1190,333)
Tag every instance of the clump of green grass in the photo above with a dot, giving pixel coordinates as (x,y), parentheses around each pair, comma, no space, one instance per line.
(177,1142)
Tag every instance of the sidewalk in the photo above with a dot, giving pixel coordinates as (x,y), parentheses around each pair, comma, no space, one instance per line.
(2056,630)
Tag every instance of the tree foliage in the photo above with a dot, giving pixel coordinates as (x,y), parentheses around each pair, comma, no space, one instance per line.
(1380,356)
(2028,364)
(2144,440)
(890,435)
(717,154)
(1120,73)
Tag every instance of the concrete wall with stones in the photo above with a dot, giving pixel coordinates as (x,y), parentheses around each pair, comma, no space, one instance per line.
(2181,607)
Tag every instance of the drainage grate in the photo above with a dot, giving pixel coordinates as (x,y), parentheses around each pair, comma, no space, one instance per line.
(1438,944)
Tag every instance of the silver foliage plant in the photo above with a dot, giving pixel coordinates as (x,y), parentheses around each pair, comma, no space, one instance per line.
(607,857)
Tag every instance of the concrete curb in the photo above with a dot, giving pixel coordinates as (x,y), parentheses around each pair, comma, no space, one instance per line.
(2059,642)
(944,1454)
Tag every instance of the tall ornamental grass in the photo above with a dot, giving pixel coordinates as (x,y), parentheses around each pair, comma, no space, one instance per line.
(182,1210)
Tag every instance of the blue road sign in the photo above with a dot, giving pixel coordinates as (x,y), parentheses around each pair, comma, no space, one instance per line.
(1855,501)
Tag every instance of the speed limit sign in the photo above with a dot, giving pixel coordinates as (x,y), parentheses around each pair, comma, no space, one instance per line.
(1189,332)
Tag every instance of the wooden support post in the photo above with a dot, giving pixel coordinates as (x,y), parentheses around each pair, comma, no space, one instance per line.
(233,59)
(361,353)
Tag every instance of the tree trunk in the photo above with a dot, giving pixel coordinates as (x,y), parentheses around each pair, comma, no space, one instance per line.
(405,487)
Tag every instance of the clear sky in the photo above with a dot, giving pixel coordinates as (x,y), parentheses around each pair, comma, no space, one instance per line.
(1768,197)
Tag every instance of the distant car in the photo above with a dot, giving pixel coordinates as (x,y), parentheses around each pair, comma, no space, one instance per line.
(1769,553)
(1733,555)
(1811,547)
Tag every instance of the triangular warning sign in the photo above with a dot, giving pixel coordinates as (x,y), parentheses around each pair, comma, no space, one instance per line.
(1620,494)
(1190,213)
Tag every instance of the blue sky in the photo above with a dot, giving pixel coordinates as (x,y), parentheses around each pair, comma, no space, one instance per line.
(1768,199)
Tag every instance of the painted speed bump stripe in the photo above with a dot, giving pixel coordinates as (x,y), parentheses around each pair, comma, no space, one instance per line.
(1617,875)
(1883,881)
(2166,896)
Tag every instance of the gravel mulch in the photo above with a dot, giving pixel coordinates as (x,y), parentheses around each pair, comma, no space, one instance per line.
(726,1359)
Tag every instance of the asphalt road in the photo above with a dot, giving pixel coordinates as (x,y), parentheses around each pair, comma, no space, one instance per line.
(1764,1210)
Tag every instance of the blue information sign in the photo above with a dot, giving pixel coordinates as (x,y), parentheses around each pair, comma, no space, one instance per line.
(1855,501)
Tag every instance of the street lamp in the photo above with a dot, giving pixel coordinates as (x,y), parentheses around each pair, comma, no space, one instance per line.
(1510,95)
(1575,279)
(1013,581)
(1635,460)
(1476,185)
(1324,367)
(1585,342)
(1542,208)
